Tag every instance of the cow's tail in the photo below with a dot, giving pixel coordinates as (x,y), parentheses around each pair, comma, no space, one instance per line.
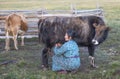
(8,23)
(39,28)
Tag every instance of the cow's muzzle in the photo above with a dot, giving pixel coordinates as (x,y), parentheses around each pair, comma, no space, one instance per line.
(95,42)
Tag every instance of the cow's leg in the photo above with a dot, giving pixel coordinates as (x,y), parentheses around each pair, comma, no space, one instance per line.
(15,41)
(7,41)
(91,50)
(45,58)
(22,36)
(22,40)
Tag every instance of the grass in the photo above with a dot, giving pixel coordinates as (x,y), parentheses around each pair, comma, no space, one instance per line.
(26,62)
(66,4)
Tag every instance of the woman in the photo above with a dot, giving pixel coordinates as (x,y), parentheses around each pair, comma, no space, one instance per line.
(66,57)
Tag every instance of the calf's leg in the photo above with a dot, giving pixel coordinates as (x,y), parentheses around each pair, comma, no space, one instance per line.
(22,40)
(7,42)
(22,36)
(15,41)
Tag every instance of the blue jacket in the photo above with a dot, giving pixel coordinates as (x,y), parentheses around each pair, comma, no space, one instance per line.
(66,57)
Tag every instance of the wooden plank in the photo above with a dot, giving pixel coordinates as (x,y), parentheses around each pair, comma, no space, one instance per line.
(26,36)
(38,13)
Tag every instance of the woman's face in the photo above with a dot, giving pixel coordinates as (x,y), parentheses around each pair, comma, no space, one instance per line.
(67,38)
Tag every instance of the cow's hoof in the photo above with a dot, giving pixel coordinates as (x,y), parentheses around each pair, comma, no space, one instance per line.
(44,68)
(16,48)
(94,66)
(22,45)
(7,49)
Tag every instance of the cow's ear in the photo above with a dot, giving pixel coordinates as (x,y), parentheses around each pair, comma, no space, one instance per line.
(95,25)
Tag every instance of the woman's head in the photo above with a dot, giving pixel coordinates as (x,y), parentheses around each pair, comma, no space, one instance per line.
(69,35)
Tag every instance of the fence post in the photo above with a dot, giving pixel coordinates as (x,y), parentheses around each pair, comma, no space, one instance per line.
(73,9)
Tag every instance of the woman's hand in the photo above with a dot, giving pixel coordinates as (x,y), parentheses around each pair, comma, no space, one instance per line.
(58,44)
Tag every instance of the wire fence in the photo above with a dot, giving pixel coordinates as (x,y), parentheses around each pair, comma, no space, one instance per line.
(34,15)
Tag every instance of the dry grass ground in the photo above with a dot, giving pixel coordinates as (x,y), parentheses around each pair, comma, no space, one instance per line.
(26,63)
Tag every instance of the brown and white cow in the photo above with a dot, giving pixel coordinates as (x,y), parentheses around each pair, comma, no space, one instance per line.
(15,24)
(90,31)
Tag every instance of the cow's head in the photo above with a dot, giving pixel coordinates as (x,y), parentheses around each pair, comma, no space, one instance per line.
(101,33)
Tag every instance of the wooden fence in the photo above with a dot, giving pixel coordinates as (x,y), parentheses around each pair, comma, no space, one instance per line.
(34,15)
